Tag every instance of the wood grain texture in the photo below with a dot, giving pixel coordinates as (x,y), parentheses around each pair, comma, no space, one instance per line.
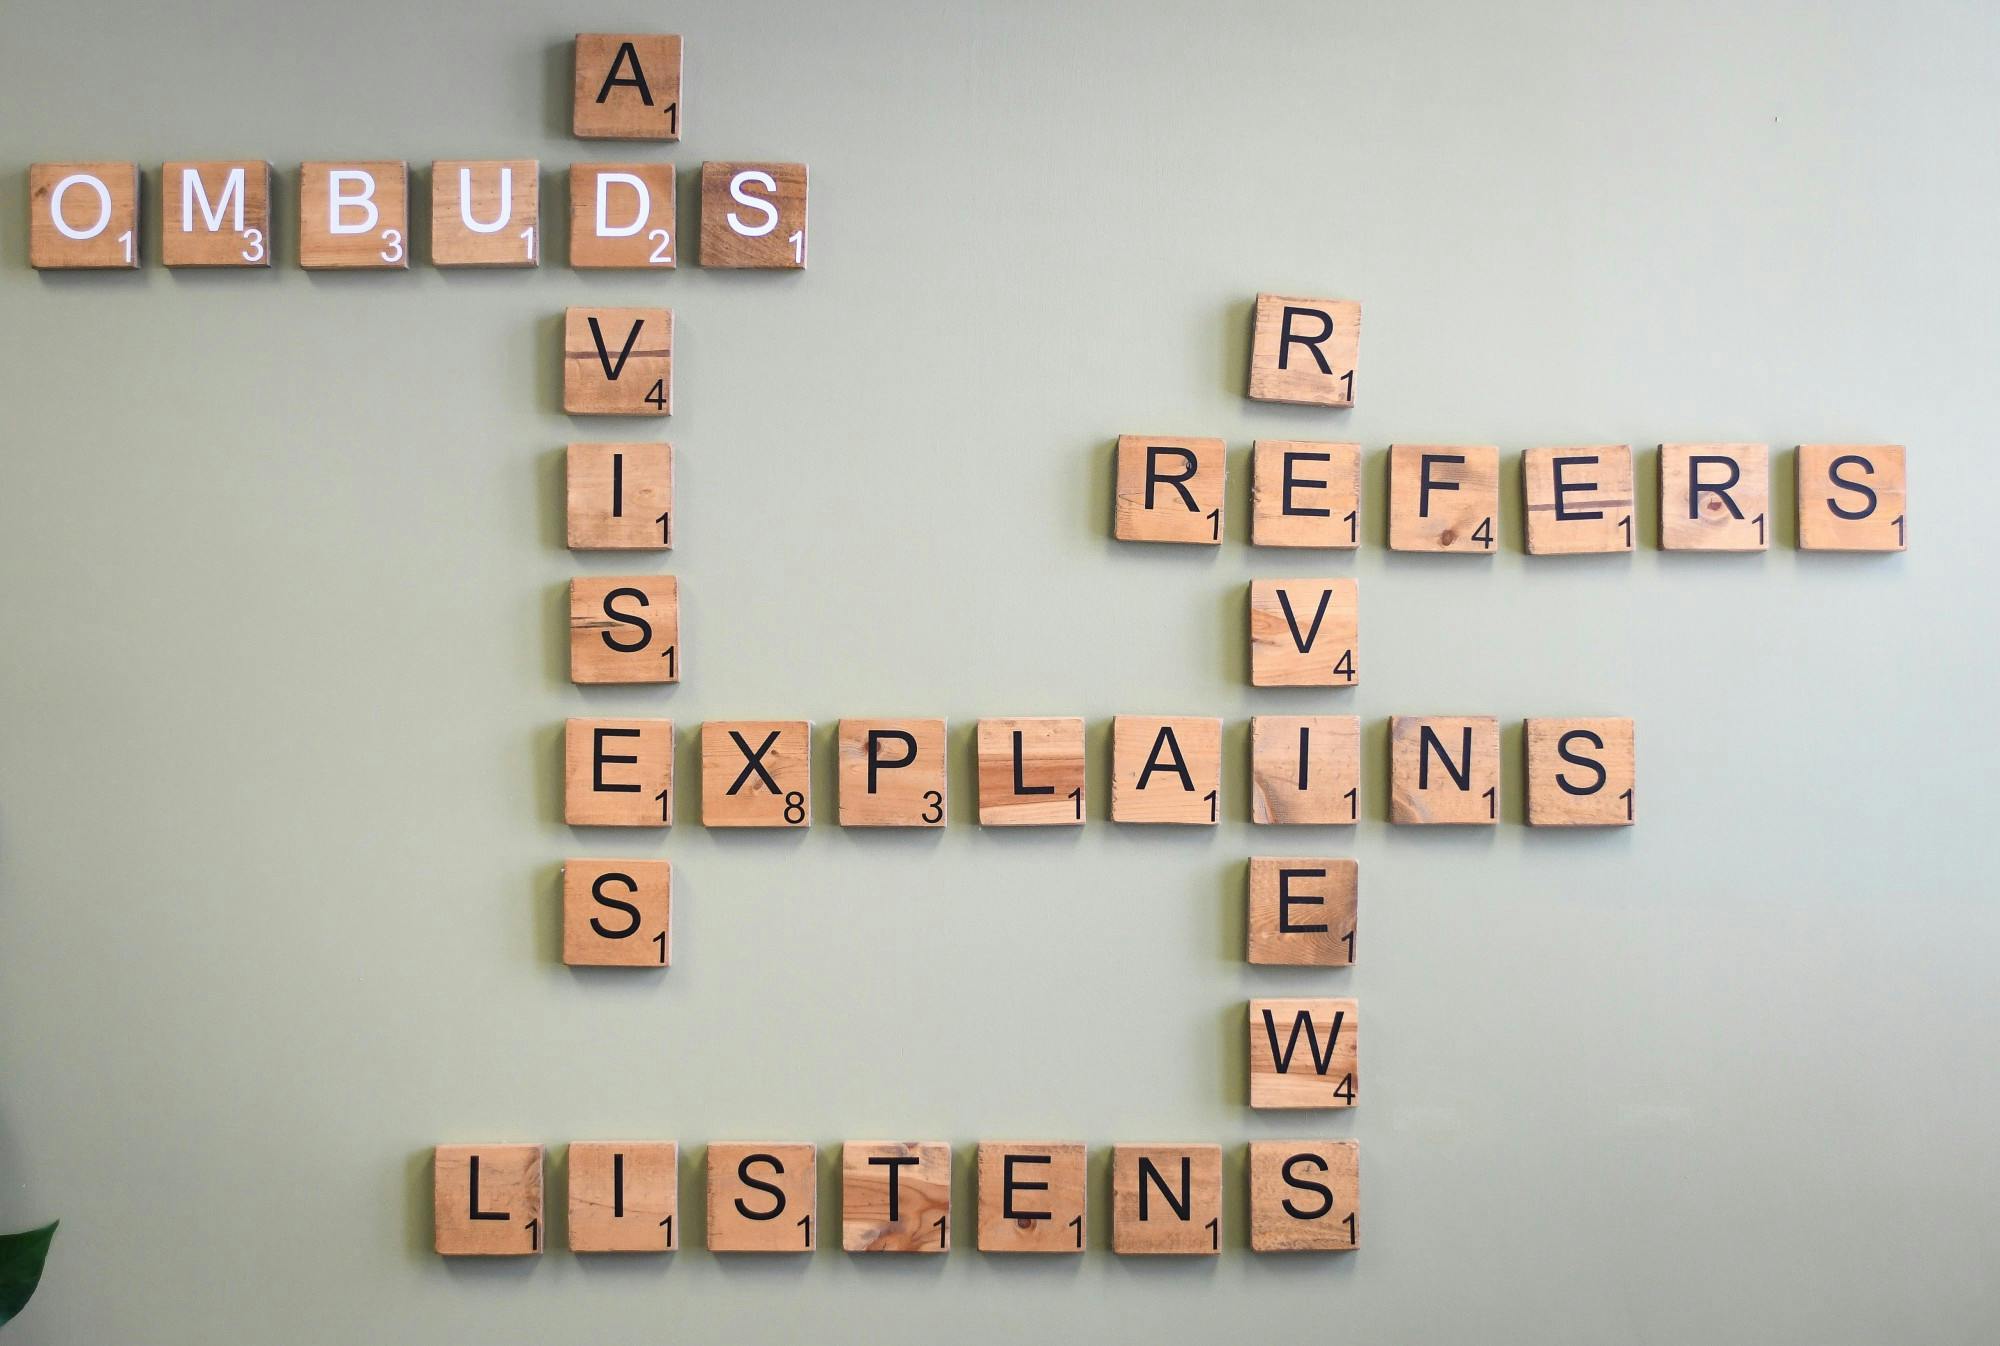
(618,362)
(624,1196)
(1166,769)
(1305,1196)
(1305,494)
(1169,489)
(763,1197)
(216,213)
(891,773)
(486,212)
(756,773)
(1303,1053)
(1033,1196)
(1304,350)
(1579,500)
(895,1196)
(1305,633)
(618,913)
(1031,772)
(1302,911)
(753,216)
(619,497)
(1305,769)
(627,86)
(618,773)
(98,227)
(354,215)
(1853,497)
(1166,1200)
(1444,769)
(1581,773)
(502,1185)
(624,629)
(621,216)
(1715,497)
(1444,498)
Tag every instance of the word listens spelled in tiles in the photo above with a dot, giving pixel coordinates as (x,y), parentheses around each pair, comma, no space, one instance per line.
(623,1196)
(762,1197)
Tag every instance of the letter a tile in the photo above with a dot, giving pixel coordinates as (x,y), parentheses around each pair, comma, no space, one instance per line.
(1166,770)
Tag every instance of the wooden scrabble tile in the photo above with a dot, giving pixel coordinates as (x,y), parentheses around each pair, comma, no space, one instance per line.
(354,216)
(624,628)
(486,212)
(1166,769)
(83,216)
(1303,350)
(1304,1196)
(618,773)
(1304,494)
(620,497)
(1581,773)
(628,87)
(623,1196)
(1166,1199)
(762,1197)
(1032,1196)
(754,216)
(1302,1053)
(618,362)
(1031,772)
(216,213)
(1169,489)
(1305,769)
(1444,498)
(1302,912)
(892,773)
(488,1199)
(618,913)
(1444,769)
(1714,497)
(621,215)
(756,773)
(1579,500)
(1304,633)
(1851,497)
(895,1197)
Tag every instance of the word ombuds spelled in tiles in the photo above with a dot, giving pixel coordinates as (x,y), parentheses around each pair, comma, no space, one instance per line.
(1303,350)
(486,213)
(83,216)
(354,216)
(753,216)
(216,214)
(621,215)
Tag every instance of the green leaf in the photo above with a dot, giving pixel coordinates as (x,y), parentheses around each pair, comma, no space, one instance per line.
(21,1258)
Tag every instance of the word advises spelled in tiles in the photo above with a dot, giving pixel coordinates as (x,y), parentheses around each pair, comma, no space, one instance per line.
(1851,497)
(895,1197)
(1444,769)
(756,773)
(488,1199)
(620,497)
(1581,773)
(1166,770)
(1169,490)
(1166,1199)
(617,913)
(618,773)
(1303,350)
(1032,1196)
(624,629)
(1305,1196)
(1715,497)
(892,773)
(354,216)
(1304,633)
(621,216)
(762,1197)
(618,362)
(1030,772)
(1305,495)
(83,216)
(753,216)
(216,214)
(627,87)
(1305,769)
(1444,498)
(1579,500)
(1302,912)
(486,213)
(1302,1053)
(623,1196)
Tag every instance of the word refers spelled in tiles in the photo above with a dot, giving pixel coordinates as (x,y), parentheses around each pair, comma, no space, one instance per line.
(1444,769)
(762,1197)
(1304,633)
(756,773)
(1444,498)
(1302,1053)
(1715,497)
(1031,772)
(1166,770)
(1305,495)
(1302,912)
(624,629)
(1303,350)
(1305,769)
(1851,497)
(620,497)
(1579,500)
(1169,490)
(617,913)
